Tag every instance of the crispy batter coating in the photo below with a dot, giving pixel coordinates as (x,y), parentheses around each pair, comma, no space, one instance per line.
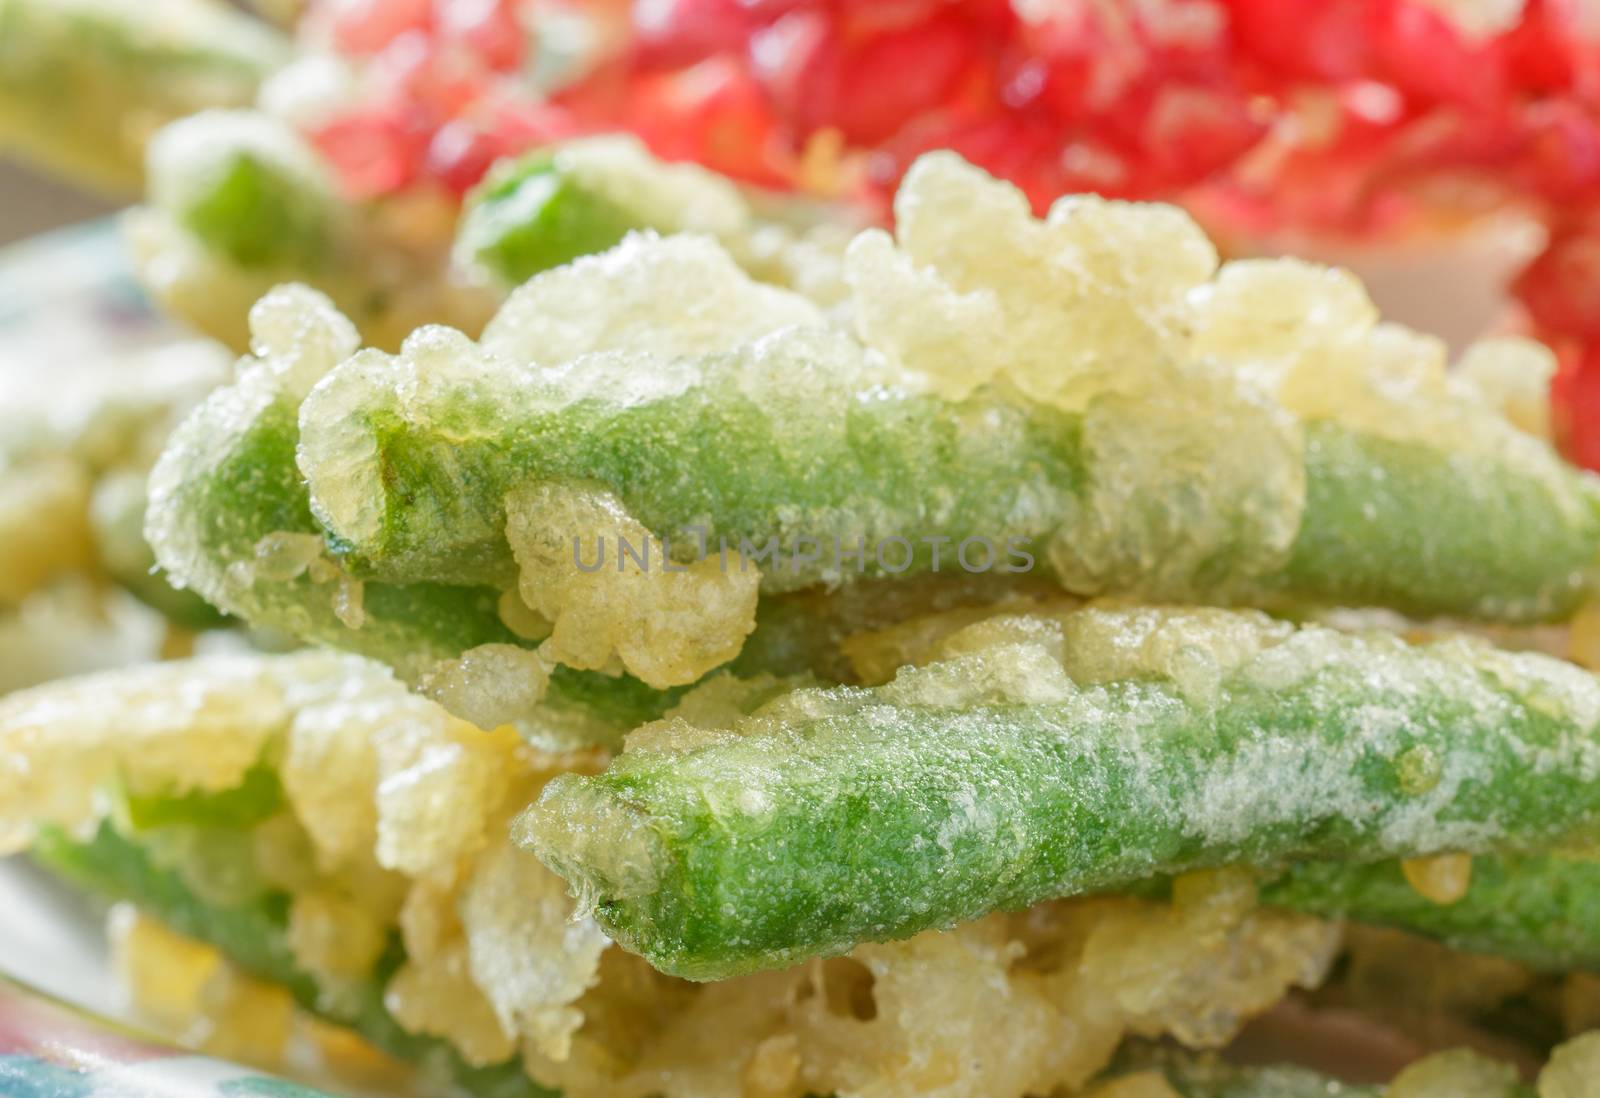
(393,821)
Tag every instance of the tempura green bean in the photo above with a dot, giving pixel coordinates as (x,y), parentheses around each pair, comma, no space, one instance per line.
(255,936)
(1068,756)
(1541,910)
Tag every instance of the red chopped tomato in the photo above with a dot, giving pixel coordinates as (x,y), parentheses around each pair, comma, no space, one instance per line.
(714,113)
(460,153)
(1190,132)
(1561,288)
(1576,396)
(375,152)
(367,26)
(891,77)
(1561,160)
(1339,116)
(670,33)
(1318,40)
(1419,52)
(431,76)
(490,29)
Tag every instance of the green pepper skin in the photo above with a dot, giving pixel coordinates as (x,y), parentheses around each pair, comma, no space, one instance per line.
(870,815)
(1541,910)
(255,937)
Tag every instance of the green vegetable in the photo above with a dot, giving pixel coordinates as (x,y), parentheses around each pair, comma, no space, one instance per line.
(993,780)
(239,485)
(580,197)
(228,484)
(84,83)
(710,454)
(246,489)
(1426,531)
(257,796)
(795,440)
(255,938)
(1541,910)
(248,188)
(533,214)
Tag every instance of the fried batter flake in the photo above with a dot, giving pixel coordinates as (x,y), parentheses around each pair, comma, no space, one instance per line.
(1007,1005)
(665,622)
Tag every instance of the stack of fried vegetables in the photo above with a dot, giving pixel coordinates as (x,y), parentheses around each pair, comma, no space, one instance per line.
(1053,643)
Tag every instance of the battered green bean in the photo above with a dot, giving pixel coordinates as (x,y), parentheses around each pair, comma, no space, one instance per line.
(231,520)
(415,483)
(255,937)
(530,215)
(227,494)
(1220,464)
(657,396)
(248,189)
(1541,910)
(1181,739)
(581,197)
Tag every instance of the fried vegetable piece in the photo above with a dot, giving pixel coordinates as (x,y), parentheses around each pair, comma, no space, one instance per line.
(231,519)
(247,188)
(1540,910)
(315,787)
(334,833)
(238,201)
(232,522)
(84,83)
(1050,755)
(554,205)
(583,196)
(1105,397)
(657,398)
(73,457)
(256,936)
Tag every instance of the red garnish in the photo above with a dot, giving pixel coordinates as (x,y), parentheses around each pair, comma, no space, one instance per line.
(1352,117)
